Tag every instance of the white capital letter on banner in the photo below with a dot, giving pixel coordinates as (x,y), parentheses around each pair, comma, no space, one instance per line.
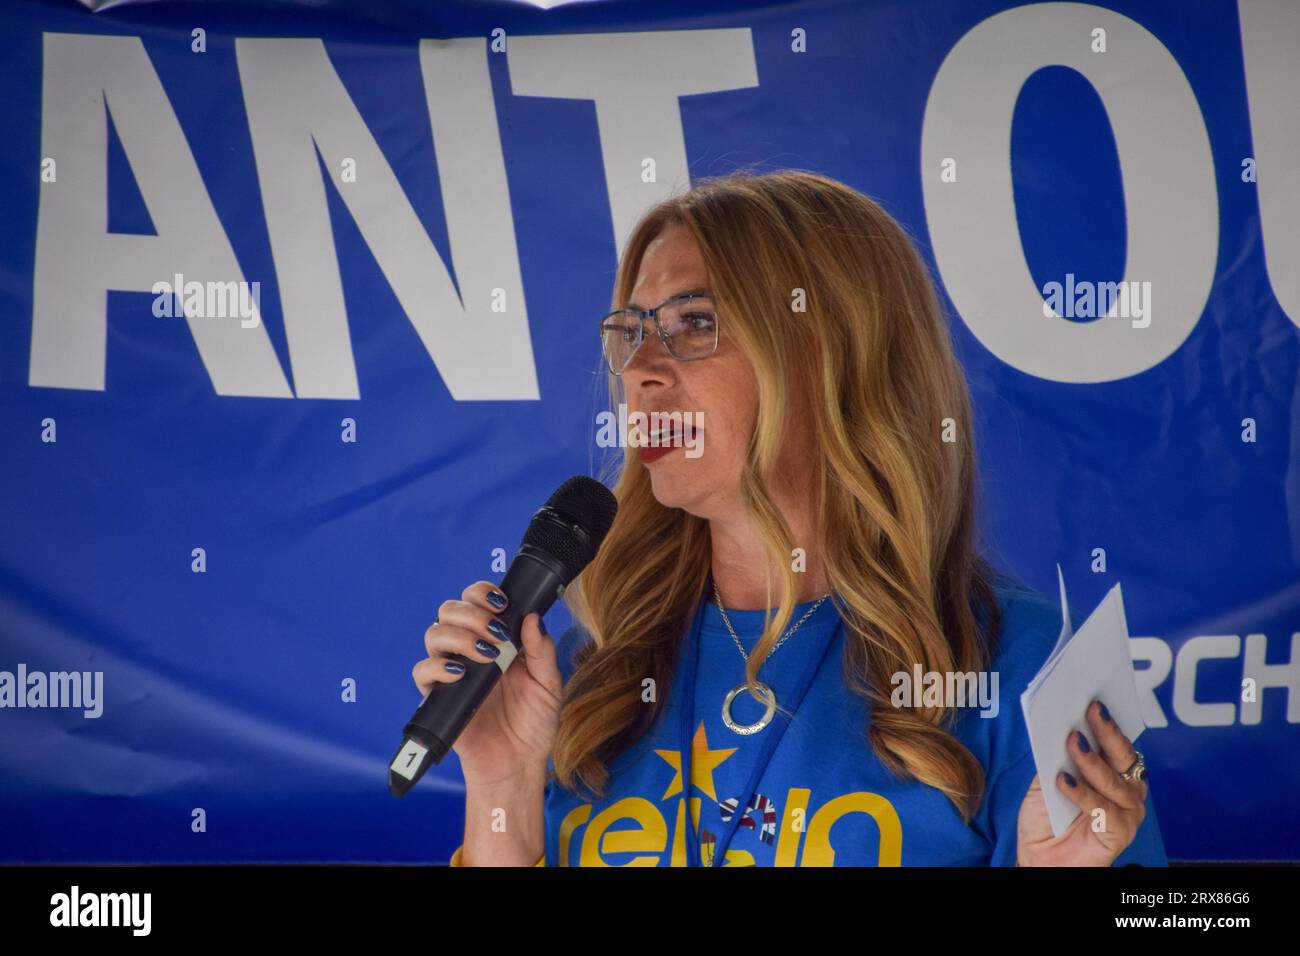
(78,260)
(635,80)
(296,106)
(1270,47)
(1171,200)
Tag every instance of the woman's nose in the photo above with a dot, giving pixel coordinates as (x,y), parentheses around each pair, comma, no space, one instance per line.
(650,358)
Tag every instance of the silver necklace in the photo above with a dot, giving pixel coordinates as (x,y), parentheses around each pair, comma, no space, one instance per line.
(765,696)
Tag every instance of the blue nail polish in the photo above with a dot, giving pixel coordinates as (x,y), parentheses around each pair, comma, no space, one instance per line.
(496,599)
(456,667)
(1105,714)
(1069,779)
(1083,743)
(483,647)
(499,629)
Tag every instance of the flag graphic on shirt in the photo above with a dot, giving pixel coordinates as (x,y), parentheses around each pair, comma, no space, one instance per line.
(761,804)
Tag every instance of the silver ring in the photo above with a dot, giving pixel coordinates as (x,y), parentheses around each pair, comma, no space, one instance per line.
(1139,769)
(764,696)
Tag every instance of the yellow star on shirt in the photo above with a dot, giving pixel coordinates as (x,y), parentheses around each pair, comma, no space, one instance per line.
(703,762)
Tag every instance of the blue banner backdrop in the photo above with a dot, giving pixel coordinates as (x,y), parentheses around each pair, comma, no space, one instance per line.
(244,525)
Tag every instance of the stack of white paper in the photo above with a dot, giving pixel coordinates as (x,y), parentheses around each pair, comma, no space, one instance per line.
(1094,664)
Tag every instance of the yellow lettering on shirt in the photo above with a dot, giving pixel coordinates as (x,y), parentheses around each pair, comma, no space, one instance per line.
(678,857)
(651,836)
(572,820)
(818,850)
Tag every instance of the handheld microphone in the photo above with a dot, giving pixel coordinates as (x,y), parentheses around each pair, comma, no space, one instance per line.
(562,538)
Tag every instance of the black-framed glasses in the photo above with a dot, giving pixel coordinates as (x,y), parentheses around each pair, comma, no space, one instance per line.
(687,324)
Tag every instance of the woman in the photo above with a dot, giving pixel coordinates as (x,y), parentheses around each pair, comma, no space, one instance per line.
(793,325)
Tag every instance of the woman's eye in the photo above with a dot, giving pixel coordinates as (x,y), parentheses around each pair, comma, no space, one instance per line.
(699,322)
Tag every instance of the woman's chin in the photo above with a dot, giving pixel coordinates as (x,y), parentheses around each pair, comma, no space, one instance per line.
(671,491)
(675,491)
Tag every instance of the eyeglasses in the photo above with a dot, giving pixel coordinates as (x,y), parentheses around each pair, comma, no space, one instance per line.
(687,324)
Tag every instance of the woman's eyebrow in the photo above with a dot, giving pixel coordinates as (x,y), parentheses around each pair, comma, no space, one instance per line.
(701,291)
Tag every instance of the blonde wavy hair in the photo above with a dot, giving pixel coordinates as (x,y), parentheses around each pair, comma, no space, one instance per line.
(894,502)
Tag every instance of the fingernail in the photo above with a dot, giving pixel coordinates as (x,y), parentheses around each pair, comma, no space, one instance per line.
(499,629)
(1105,714)
(496,599)
(483,647)
(456,667)
(1083,743)
(1069,779)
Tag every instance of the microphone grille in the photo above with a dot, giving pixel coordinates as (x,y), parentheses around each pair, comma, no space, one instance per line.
(572,525)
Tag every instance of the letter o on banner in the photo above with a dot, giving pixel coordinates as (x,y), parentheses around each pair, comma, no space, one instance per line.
(1170,192)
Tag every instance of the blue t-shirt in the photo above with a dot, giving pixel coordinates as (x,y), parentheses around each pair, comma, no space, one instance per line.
(824,798)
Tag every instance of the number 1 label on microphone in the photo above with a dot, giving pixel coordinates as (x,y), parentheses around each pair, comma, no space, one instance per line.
(409,758)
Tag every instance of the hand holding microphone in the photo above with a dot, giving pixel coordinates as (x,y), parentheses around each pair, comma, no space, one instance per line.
(521,722)
(516,725)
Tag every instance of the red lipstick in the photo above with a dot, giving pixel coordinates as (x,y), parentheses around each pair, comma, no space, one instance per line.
(665,441)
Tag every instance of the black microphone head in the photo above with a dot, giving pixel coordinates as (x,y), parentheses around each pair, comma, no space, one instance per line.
(573,523)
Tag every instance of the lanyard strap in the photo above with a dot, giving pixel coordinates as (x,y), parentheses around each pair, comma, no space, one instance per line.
(773,737)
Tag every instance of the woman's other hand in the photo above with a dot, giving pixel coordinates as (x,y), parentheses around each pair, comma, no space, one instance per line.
(1112,808)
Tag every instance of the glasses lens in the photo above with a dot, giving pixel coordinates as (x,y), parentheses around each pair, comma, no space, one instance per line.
(618,336)
(692,327)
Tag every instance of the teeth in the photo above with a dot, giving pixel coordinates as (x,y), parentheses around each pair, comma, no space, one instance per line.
(673,435)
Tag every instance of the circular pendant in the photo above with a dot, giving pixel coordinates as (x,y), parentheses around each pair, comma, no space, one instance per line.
(763,692)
